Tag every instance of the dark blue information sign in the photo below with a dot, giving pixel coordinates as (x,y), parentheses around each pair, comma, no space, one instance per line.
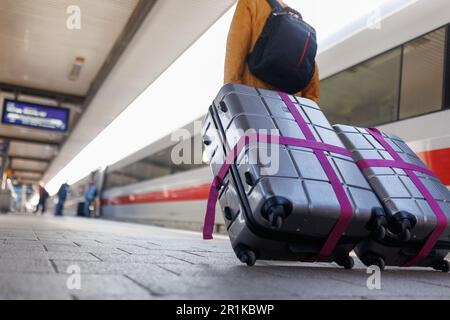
(35,115)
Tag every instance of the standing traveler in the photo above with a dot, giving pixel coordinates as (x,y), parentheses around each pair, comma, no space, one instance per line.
(62,196)
(43,196)
(90,197)
(247,27)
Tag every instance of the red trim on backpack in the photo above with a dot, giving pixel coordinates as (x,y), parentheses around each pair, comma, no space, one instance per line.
(305,49)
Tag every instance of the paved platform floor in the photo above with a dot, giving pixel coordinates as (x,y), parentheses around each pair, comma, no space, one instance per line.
(128,261)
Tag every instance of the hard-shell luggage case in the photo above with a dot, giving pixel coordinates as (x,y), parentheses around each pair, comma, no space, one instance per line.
(315,207)
(417,204)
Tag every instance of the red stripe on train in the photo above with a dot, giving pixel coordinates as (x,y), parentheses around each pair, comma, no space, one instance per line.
(192,193)
(439,163)
(437,160)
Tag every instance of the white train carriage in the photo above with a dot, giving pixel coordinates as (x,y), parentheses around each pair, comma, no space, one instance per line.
(396,77)
(151,187)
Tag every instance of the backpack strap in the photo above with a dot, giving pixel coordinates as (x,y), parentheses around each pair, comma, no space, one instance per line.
(275,4)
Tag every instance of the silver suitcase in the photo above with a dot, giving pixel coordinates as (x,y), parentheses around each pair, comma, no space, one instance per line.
(417,204)
(314,206)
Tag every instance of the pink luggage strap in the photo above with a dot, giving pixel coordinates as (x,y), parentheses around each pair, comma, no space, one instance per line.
(344,202)
(399,163)
(319,149)
(364,164)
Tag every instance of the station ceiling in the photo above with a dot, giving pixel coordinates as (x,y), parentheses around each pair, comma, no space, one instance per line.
(168,30)
(37,58)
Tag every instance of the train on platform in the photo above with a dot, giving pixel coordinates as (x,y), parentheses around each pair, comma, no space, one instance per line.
(400,84)
(148,187)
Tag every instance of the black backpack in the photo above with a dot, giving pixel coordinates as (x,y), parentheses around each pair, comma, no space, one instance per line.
(284,55)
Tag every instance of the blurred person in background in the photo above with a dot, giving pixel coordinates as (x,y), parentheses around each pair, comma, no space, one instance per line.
(90,199)
(43,196)
(62,196)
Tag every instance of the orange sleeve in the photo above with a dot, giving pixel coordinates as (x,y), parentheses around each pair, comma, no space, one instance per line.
(312,91)
(238,43)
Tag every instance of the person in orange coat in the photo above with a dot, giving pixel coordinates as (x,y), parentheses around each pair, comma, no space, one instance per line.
(247,25)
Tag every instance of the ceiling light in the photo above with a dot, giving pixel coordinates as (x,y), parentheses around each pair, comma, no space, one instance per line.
(76,69)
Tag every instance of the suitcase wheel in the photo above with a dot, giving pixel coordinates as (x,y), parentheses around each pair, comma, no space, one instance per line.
(377,224)
(276,210)
(405,235)
(248,257)
(380,234)
(347,262)
(276,218)
(442,265)
(401,225)
(403,230)
(373,260)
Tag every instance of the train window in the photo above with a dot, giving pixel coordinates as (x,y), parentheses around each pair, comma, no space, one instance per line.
(423,75)
(134,173)
(364,95)
(155,166)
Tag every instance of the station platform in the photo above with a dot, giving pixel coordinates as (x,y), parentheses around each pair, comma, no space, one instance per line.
(129,261)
